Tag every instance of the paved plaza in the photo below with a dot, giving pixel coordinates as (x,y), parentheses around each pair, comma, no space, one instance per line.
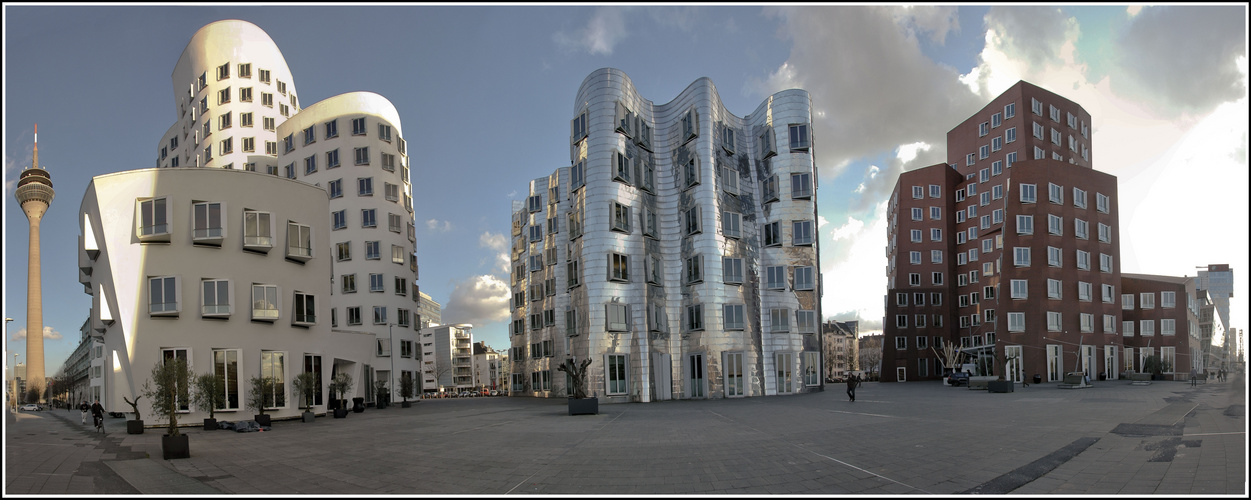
(900,438)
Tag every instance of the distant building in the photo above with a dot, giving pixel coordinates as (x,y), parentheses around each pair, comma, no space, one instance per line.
(447,358)
(678,251)
(429,311)
(486,367)
(1160,317)
(839,341)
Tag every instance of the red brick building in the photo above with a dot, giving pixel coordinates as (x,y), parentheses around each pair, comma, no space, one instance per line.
(1019,248)
(1160,317)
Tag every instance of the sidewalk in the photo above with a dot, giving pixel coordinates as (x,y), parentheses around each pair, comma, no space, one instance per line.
(898,438)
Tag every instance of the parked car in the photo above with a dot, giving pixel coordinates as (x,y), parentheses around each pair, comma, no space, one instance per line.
(956,379)
(31,407)
(495,392)
(465,394)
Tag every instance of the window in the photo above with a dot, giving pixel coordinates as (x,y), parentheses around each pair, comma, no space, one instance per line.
(914,257)
(1105,233)
(732,269)
(769,188)
(1021,256)
(369,217)
(365,186)
(692,217)
(731,224)
(1056,137)
(1168,326)
(1039,131)
(1054,258)
(384,132)
(694,269)
(372,250)
(983,129)
(727,140)
(1102,202)
(1009,110)
(775,277)
(799,137)
(801,233)
(1010,158)
(1055,224)
(690,174)
(695,317)
(1020,289)
(779,320)
(1105,263)
(1084,291)
(1039,153)
(1054,321)
(1109,323)
(801,186)
(1025,224)
(1109,293)
(936,213)
(620,217)
(918,192)
(690,125)
(338,219)
(305,309)
(1083,260)
(299,241)
(1016,322)
(1168,299)
(618,317)
(264,302)
(618,267)
(376,283)
(397,254)
(388,162)
(1010,135)
(983,152)
(773,234)
(1147,299)
(936,234)
(1029,193)
(623,169)
(915,235)
(362,155)
(804,278)
(970,159)
(393,223)
(353,315)
(936,278)
(1147,327)
(616,377)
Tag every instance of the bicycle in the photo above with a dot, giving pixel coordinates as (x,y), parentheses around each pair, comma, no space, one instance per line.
(99,422)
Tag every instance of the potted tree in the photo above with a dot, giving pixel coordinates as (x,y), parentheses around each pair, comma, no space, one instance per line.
(380,390)
(406,391)
(579,404)
(259,397)
(306,386)
(1002,384)
(1153,366)
(341,384)
(171,379)
(134,426)
(210,393)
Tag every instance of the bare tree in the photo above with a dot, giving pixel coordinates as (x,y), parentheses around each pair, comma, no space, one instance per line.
(950,355)
(870,354)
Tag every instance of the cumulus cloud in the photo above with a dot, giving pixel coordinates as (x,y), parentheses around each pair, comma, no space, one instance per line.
(48,334)
(933,21)
(1186,57)
(878,93)
(1035,34)
(855,276)
(439,226)
(478,301)
(599,35)
(499,244)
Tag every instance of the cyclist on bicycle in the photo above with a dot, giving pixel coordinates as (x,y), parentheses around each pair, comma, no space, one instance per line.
(84,407)
(97,413)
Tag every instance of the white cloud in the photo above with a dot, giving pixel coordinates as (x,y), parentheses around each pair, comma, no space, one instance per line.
(821,221)
(478,300)
(856,275)
(499,244)
(439,226)
(931,20)
(599,35)
(1133,10)
(48,334)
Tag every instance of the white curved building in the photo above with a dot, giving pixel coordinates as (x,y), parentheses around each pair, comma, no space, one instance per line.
(678,251)
(226,269)
(352,146)
(232,89)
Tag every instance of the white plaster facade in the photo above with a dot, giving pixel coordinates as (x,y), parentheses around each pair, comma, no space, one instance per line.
(447,358)
(242,292)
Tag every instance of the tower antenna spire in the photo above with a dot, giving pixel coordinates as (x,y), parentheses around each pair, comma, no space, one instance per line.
(36,159)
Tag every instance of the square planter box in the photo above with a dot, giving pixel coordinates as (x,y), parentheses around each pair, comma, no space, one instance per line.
(262,419)
(134,427)
(175,446)
(584,406)
(307,416)
(999,386)
(210,424)
(340,413)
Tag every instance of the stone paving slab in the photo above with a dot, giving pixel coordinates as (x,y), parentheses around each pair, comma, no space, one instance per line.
(896,439)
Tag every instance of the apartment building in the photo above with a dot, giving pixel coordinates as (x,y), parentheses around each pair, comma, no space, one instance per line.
(1011,249)
(677,252)
(1160,317)
(839,340)
(447,358)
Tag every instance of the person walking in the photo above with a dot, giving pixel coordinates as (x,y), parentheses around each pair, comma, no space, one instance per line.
(84,408)
(1194,378)
(97,414)
(852,381)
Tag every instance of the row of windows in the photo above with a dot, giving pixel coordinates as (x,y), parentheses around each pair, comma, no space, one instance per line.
(1167,300)
(369,218)
(377,284)
(1019,289)
(1071,120)
(732,272)
(217,300)
(617,318)
(403,317)
(1021,257)
(1168,326)
(226,366)
(343,251)
(330,130)
(209,227)
(617,375)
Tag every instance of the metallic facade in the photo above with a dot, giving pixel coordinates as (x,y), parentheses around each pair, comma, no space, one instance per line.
(677,252)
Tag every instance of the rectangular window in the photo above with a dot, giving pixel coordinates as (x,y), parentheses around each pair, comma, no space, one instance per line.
(1055,224)
(695,317)
(1083,260)
(618,267)
(801,233)
(264,302)
(1021,256)
(799,136)
(305,309)
(773,234)
(299,241)
(620,217)
(804,279)
(732,269)
(1102,202)
(731,224)
(362,155)
(775,277)
(1084,291)
(1016,322)
(1105,233)
(1147,327)
(1024,224)
(1020,289)
(615,376)
(801,186)
(769,189)
(1105,263)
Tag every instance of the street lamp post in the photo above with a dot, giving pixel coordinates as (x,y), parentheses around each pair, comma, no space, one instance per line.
(391,341)
(6,366)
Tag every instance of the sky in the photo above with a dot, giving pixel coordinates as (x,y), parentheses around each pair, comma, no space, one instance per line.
(485,95)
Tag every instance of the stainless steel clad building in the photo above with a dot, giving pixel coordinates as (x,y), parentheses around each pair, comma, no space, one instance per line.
(677,252)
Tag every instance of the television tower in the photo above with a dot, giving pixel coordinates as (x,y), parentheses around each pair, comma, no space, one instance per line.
(34,193)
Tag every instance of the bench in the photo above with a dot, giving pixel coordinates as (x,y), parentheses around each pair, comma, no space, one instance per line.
(1139,379)
(980,383)
(1074,380)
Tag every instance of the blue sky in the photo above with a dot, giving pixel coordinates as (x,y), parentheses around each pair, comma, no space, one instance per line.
(485,94)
